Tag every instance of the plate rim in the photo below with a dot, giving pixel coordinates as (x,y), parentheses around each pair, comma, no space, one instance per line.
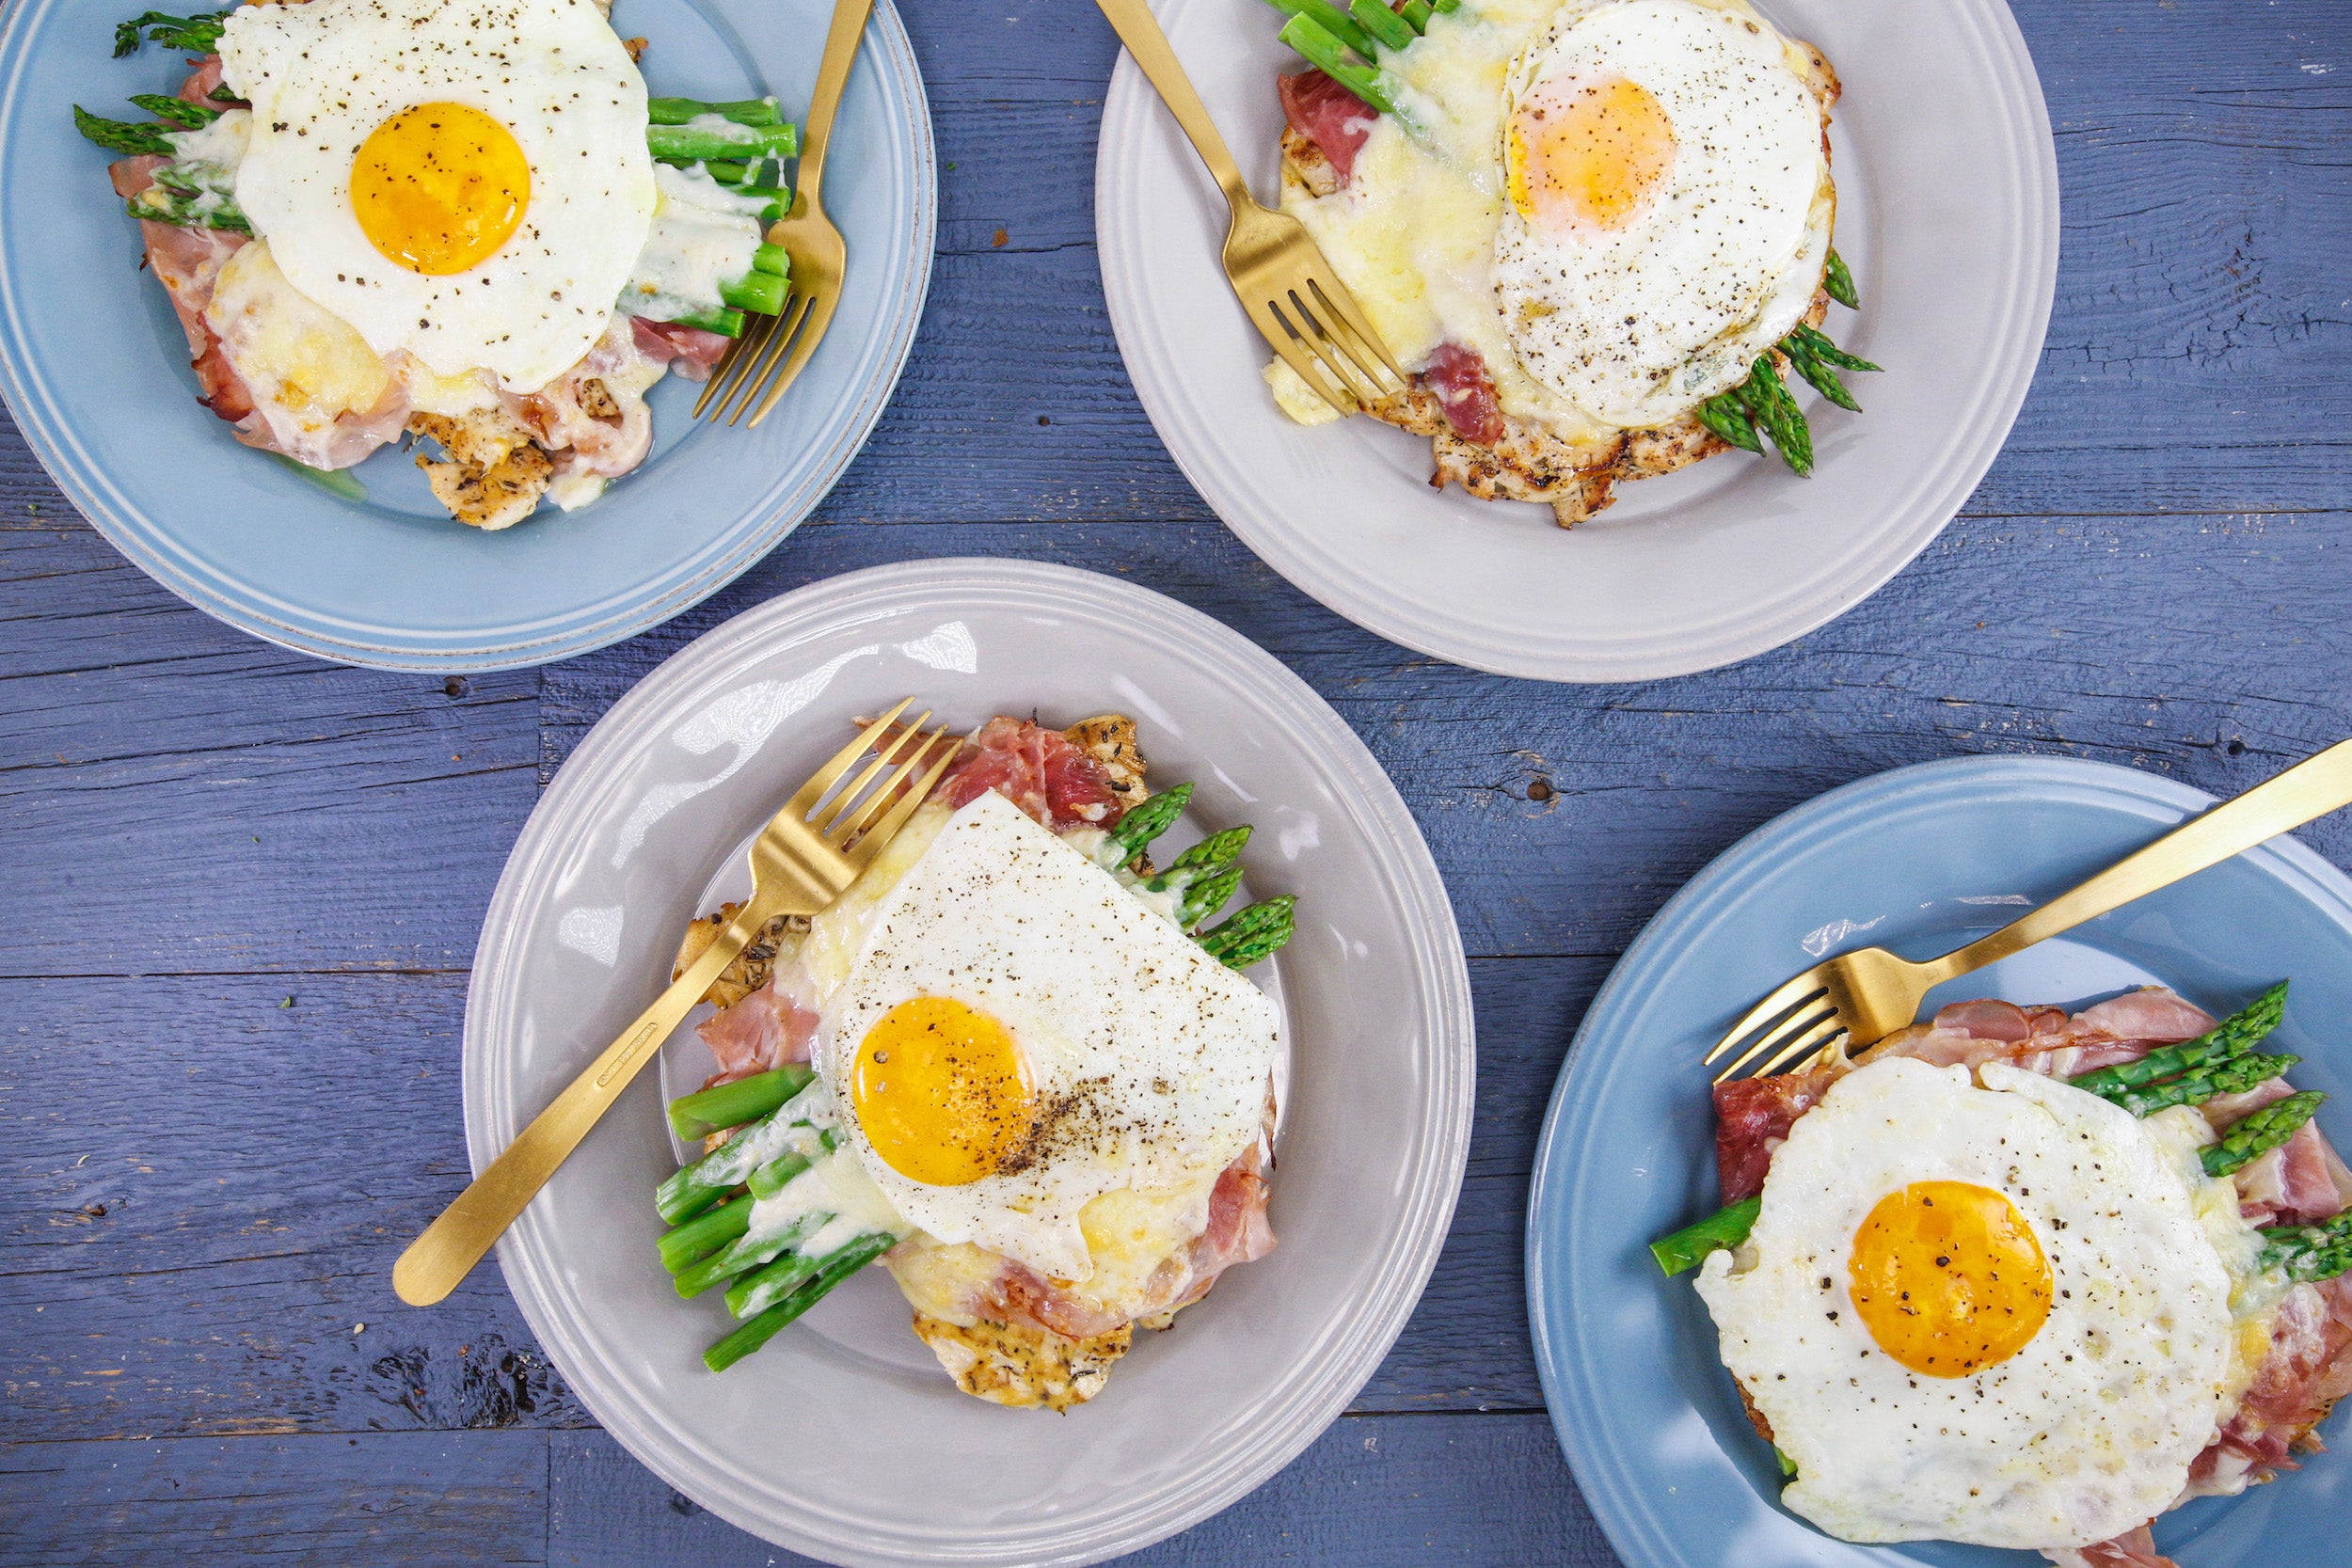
(123,527)
(1605,1484)
(1413,875)
(1933,501)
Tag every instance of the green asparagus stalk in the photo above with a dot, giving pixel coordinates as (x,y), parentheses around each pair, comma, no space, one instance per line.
(721,140)
(1727,1227)
(725,321)
(1727,416)
(159,203)
(702,1234)
(1417,13)
(1824,379)
(764,1327)
(743,111)
(2232,1036)
(224,94)
(1777,416)
(695,1187)
(760,292)
(2262,1132)
(1206,897)
(1839,283)
(1384,24)
(1816,343)
(195,35)
(772,258)
(1210,855)
(705,1112)
(117,135)
(1333,19)
(1252,934)
(182,113)
(2310,1252)
(1376,86)
(1142,825)
(751,1295)
(773,1177)
(741,1256)
(2233,1076)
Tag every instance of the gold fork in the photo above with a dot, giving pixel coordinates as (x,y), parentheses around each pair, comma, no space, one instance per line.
(1862,997)
(800,863)
(1290,292)
(759,365)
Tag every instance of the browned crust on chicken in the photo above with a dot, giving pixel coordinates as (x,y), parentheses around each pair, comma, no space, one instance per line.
(1109,738)
(750,967)
(1023,1366)
(1531,462)
(494,474)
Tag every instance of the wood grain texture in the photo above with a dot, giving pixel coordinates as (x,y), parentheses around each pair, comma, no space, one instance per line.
(198,1345)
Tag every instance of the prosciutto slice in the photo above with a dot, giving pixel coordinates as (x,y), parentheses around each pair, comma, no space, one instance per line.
(1039,771)
(760,1034)
(2132,1549)
(1327,115)
(1465,392)
(688,351)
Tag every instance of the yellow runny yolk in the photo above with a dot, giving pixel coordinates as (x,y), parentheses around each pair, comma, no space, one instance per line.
(439,188)
(1585,153)
(1949,1278)
(942,1092)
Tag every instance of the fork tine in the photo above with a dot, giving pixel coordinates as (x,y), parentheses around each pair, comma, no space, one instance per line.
(1787,994)
(1361,386)
(804,799)
(1341,304)
(733,363)
(779,342)
(885,753)
(1288,342)
(1804,1017)
(876,835)
(810,332)
(1803,1046)
(840,833)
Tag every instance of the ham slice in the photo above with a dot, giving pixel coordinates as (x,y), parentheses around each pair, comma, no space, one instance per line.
(198,87)
(1465,392)
(2132,1549)
(688,351)
(1327,115)
(762,1032)
(1039,771)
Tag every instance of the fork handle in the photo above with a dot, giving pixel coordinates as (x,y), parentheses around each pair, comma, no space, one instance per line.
(832,74)
(2312,788)
(453,1243)
(1139,30)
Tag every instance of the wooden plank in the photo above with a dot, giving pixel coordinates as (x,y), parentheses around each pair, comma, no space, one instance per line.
(1373,1492)
(440,1498)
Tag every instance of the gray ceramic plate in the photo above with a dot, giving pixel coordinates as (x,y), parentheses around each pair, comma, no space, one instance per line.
(842,1439)
(1948,209)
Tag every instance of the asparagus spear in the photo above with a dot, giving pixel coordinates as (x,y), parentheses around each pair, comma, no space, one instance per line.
(160,204)
(1839,283)
(2232,1036)
(771,1178)
(1207,857)
(1206,897)
(1384,24)
(182,113)
(741,1256)
(196,35)
(1824,378)
(1729,418)
(764,1327)
(1333,19)
(760,292)
(712,136)
(1140,826)
(695,1187)
(2262,1132)
(1817,344)
(743,111)
(2310,1252)
(703,1233)
(702,1113)
(2234,1076)
(1376,86)
(1417,13)
(1725,1227)
(1777,416)
(1252,934)
(726,321)
(116,136)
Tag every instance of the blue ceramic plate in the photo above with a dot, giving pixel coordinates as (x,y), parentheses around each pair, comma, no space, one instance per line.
(1919,860)
(95,368)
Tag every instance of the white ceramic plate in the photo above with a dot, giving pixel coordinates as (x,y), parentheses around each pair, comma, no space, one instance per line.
(1948,212)
(842,1439)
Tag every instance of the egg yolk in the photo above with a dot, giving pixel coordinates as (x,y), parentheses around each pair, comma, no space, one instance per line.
(941,1091)
(1586,154)
(439,188)
(1949,1278)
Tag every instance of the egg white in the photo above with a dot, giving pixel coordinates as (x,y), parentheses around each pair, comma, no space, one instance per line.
(2087,1431)
(323,75)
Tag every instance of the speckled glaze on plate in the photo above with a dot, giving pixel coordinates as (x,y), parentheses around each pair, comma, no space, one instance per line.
(843,1439)
(1920,859)
(1948,209)
(95,369)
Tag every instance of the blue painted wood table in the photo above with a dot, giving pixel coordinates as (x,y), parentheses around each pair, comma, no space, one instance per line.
(241,889)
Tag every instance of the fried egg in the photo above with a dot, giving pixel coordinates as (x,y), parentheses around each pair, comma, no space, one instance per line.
(465,180)
(1617,204)
(1026,1057)
(1666,205)
(1996,1310)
